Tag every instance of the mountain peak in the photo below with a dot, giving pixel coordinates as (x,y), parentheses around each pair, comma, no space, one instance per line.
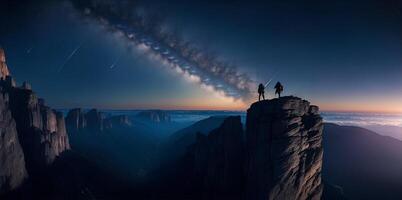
(4,72)
(284,151)
(34,134)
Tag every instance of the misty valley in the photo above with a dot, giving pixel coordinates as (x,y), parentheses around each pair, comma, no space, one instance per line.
(200,100)
(279,149)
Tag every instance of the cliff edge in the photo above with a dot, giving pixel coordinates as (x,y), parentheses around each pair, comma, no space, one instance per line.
(32,134)
(12,161)
(283,150)
(279,156)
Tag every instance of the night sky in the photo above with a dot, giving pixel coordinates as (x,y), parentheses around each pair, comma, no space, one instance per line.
(342,55)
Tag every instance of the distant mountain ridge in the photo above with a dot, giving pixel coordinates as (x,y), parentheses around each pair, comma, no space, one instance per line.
(278,157)
(365,164)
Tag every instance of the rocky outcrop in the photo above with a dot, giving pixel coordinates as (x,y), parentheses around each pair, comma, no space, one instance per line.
(212,167)
(3,66)
(284,152)
(117,121)
(26,85)
(157,116)
(280,156)
(75,120)
(12,163)
(41,130)
(219,157)
(32,134)
(93,121)
(179,141)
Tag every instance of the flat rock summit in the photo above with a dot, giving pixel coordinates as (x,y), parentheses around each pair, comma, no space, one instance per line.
(283,150)
(278,156)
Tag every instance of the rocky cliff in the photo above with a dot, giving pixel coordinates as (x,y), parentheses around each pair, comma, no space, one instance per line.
(12,163)
(3,66)
(157,116)
(93,121)
(76,120)
(117,121)
(41,130)
(279,157)
(28,123)
(218,159)
(284,152)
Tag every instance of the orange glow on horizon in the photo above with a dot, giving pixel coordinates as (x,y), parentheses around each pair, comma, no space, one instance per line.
(220,102)
(237,105)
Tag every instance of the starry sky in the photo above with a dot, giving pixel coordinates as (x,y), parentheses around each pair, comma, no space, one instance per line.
(342,55)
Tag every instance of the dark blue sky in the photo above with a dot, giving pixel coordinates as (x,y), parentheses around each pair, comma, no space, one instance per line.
(341,55)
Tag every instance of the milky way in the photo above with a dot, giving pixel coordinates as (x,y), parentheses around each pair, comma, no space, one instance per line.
(146,32)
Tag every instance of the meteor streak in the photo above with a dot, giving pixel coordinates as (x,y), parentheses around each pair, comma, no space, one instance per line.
(147,34)
(69,57)
(115,62)
(268,82)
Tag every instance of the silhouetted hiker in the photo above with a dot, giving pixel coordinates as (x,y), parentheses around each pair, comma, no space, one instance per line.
(261,92)
(278,89)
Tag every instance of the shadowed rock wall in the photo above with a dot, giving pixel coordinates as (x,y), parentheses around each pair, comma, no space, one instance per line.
(12,163)
(284,151)
(32,134)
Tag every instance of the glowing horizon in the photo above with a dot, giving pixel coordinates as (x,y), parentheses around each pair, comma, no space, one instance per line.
(236,105)
(314,54)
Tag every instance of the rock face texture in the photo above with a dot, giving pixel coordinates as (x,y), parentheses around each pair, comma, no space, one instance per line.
(279,157)
(76,120)
(3,66)
(93,121)
(32,134)
(218,159)
(182,139)
(12,163)
(158,116)
(284,152)
(41,130)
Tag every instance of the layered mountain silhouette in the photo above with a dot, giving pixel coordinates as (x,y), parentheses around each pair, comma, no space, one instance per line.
(279,156)
(283,151)
(114,142)
(158,116)
(365,164)
(179,141)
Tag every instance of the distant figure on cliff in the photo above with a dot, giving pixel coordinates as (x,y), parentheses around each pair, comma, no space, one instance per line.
(278,89)
(261,92)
